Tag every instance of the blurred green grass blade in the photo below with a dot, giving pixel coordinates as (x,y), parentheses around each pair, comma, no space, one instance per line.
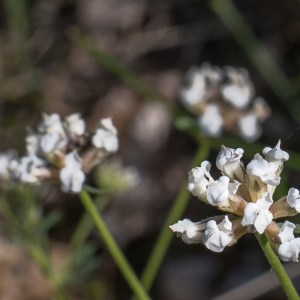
(258,54)
(113,65)
(18,22)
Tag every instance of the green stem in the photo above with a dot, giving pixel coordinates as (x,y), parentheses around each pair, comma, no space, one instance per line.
(113,248)
(163,241)
(86,224)
(277,267)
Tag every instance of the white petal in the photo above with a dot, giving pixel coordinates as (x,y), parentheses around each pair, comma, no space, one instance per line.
(233,187)
(225,225)
(249,128)
(293,199)
(289,251)
(250,213)
(263,219)
(275,154)
(218,241)
(218,192)
(286,232)
(265,201)
(49,141)
(78,178)
(191,233)
(65,176)
(73,161)
(211,122)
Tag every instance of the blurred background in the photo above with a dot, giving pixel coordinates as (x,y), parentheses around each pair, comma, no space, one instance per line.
(68,56)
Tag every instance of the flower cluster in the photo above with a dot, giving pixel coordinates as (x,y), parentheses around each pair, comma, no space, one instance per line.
(61,150)
(224,99)
(246,193)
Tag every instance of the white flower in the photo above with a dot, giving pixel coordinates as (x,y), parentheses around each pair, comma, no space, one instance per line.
(219,191)
(263,169)
(229,159)
(28,169)
(293,199)
(258,213)
(51,141)
(199,179)
(32,141)
(290,247)
(239,90)
(201,81)
(51,123)
(276,154)
(75,125)
(71,176)
(249,128)
(106,136)
(196,92)
(5,160)
(190,232)
(211,122)
(217,237)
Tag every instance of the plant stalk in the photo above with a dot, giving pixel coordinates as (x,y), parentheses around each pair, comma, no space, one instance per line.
(113,248)
(276,265)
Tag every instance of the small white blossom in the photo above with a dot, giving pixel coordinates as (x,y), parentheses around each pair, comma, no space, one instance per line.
(249,128)
(229,159)
(5,160)
(211,122)
(190,232)
(196,92)
(263,169)
(219,191)
(258,213)
(290,247)
(51,123)
(51,141)
(29,169)
(217,237)
(75,125)
(293,199)
(106,136)
(275,155)
(199,179)
(239,90)
(71,176)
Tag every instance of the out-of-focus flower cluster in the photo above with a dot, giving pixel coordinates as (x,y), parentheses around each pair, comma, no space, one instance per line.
(224,99)
(61,150)
(246,193)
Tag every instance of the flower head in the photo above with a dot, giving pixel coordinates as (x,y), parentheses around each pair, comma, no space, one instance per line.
(290,247)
